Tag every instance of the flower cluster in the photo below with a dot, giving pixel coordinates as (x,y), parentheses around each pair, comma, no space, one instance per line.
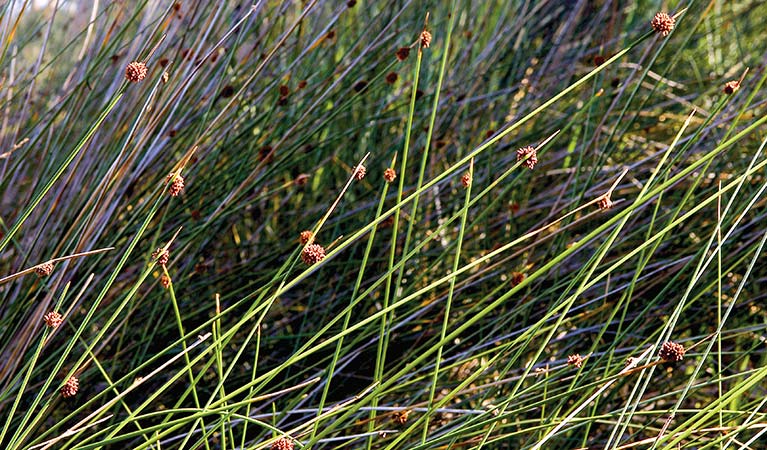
(53,319)
(135,72)
(71,387)
(312,254)
(662,23)
(44,269)
(671,352)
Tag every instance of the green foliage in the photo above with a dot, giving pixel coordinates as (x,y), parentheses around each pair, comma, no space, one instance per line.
(454,299)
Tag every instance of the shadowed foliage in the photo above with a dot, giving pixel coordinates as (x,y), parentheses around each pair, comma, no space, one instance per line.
(530,224)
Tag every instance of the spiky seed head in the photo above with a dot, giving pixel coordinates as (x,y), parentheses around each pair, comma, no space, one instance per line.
(161,255)
(53,319)
(575,360)
(135,72)
(165,281)
(403,53)
(359,172)
(71,387)
(176,184)
(425,39)
(731,87)
(662,23)
(305,237)
(400,417)
(531,154)
(605,203)
(671,352)
(390,174)
(312,254)
(466,179)
(44,269)
(282,443)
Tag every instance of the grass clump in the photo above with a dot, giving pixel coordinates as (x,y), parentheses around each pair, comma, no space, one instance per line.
(342,225)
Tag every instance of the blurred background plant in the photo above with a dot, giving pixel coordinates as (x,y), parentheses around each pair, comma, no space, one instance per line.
(602,288)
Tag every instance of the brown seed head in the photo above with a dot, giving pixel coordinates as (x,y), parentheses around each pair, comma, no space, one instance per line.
(135,72)
(389,175)
(301,179)
(575,360)
(165,281)
(532,160)
(44,269)
(662,23)
(351,3)
(425,39)
(165,76)
(176,184)
(466,180)
(53,319)
(400,417)
(313,254)
(70,387)
(282,444)
(671,352)
(305,237)
(284,90)
(605,202)
(517,278)
(392,77)
(731,87)
(403,53)
(161,255)
(359,172)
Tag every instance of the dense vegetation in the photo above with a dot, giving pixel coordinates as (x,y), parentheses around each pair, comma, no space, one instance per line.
(556,240)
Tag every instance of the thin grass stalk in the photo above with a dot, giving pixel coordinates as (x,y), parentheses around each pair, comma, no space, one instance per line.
(347,316)
(389,293)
